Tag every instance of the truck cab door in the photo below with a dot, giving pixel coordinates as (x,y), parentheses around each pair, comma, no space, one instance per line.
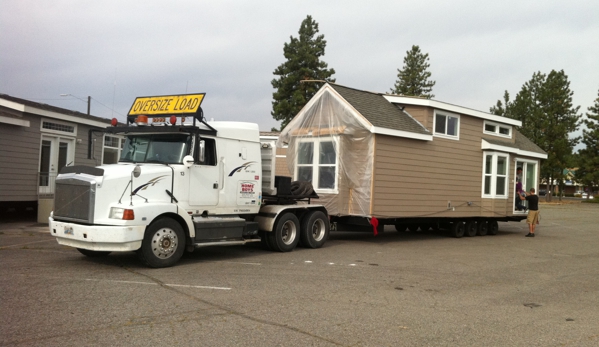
(204,176)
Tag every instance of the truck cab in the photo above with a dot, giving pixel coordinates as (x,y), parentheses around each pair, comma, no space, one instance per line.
(180,183)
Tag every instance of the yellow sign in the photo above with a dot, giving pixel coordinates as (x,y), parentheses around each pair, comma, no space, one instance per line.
(167,104)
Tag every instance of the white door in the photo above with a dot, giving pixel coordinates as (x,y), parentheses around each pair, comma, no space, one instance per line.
(55,153)
(529,176)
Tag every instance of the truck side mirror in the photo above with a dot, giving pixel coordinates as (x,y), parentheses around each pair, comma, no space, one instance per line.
(188,161)
(202,154)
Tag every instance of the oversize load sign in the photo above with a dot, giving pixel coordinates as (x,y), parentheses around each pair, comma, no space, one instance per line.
(166,104)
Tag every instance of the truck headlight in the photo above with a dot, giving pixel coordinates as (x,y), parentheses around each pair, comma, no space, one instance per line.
(121,213)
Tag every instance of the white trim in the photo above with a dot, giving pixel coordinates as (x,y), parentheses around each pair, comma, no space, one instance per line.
(494,175)
(445,136)
(59,132)
(489,146)
(400,133)
(449,107)
(45,113)
(315,165)
(14,121)
(497,133)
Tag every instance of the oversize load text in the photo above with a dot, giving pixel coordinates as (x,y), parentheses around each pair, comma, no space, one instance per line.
(173,104)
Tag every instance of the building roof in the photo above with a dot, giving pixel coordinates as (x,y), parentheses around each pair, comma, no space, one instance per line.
(27,106)
(521,144)
(378,111)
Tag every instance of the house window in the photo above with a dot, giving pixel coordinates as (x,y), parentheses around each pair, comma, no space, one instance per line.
(58,127)
(497,129)
(495,175)
(112,149)
(316,162)
(447,125)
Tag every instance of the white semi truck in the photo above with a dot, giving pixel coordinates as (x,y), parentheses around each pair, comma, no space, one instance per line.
(183,183)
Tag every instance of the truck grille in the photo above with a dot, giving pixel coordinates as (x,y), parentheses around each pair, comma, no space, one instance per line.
(74,200)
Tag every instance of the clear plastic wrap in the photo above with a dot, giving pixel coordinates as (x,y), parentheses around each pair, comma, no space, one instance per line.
(330,145)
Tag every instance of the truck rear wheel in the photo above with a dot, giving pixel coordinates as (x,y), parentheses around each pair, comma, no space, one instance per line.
(457,229)
(314,230)
(163,243)
(285,236)
(471,228)
(93,254)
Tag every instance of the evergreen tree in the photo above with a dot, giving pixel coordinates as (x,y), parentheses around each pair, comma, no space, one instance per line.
(544,105)
(588,171)
(303,63)
(413,78)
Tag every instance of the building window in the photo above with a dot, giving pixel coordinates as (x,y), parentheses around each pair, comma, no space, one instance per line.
(316,162)
(58,127)
(447,125)
(113,145)
(497,129)
(495,169)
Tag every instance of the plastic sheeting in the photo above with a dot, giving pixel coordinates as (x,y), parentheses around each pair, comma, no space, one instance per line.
(331,146)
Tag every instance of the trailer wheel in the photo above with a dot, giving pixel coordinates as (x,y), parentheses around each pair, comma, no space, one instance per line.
(314,230)
(483,228)
(285,236)
(493,227)
(93,254)
(457,229)
(471,228)
(163,243)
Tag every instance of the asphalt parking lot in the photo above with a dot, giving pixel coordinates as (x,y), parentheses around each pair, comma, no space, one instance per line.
(395,289)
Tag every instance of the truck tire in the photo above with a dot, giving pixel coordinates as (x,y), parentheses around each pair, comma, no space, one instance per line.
(483,227)
(314,229)
(493,227)
(457,229)
(163,243)
(285,236)
(471,228)
(93,254)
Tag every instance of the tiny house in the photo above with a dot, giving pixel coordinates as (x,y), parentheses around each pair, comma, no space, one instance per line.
(408,161)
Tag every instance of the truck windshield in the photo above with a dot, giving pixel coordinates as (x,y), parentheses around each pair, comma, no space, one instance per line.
(162,148)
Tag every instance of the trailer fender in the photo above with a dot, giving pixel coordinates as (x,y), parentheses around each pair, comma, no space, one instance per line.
(268,214)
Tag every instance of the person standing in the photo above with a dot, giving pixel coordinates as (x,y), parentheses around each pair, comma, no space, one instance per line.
(533,211)
(519,191)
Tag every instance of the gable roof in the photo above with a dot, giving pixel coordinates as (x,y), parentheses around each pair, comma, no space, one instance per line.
(378,111)
(522,145)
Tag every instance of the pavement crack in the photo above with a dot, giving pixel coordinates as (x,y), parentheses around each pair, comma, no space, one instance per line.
(231,311)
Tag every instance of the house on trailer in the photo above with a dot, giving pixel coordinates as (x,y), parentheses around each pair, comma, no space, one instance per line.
(37,140)
(401,158)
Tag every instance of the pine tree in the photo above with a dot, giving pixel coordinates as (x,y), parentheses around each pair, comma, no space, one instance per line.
(303,63)
(544,106)
(588,171)
(413,78)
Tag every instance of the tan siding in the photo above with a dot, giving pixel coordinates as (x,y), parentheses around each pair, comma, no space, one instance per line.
(419,178)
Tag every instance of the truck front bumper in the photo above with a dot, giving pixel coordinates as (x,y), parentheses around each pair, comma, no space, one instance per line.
(97,237)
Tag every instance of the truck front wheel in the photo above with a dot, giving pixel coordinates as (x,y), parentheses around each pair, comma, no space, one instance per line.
(285,235)
(314,229)
(163,243)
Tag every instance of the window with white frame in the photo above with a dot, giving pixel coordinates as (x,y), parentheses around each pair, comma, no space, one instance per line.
(112,149)
(58,127)
(447,125)
(495,175)
(497,129)
(316,162)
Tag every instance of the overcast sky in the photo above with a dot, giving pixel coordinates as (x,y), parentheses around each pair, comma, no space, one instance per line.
(114,51)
